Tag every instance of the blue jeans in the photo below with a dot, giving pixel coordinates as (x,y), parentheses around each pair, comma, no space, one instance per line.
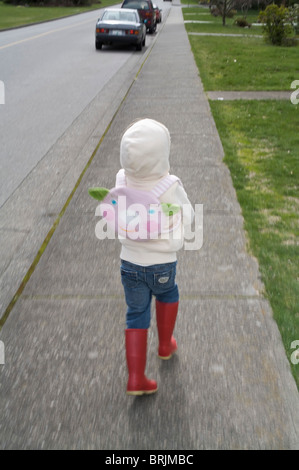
(140,283)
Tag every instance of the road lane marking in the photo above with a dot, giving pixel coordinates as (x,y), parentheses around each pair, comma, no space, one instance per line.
(21,41)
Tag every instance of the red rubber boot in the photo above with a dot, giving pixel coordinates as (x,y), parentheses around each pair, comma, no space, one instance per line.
(166,317)
(136,349)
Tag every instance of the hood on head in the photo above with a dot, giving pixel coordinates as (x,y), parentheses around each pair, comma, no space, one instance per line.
(144,150)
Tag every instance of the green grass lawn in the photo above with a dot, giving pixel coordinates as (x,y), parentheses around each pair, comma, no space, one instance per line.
(228,63)
(214,24)
(234,63)
(12,16)
(261,142)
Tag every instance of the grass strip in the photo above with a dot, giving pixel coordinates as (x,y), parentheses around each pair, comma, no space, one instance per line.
(244,64)
(261,141)
(12,16)
(212,24)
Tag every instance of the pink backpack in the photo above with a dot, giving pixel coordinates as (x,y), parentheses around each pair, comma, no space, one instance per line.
(136,214)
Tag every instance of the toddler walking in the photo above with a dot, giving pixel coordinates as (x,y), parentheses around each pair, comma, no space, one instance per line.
(148,267)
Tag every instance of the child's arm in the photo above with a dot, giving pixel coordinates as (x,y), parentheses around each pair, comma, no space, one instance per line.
(177,195)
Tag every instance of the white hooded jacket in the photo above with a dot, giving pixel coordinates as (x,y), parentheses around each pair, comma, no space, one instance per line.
(144,157)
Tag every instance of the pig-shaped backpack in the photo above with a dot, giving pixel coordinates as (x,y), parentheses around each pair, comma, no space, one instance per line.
(136,214)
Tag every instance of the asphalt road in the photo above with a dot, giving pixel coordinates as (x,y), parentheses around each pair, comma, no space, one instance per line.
(51,72)
(60,96)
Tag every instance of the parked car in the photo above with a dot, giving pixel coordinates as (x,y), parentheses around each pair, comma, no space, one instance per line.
(118,26)
(146,11)
(158,13)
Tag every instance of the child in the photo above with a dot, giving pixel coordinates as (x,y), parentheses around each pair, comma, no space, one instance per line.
(149,267)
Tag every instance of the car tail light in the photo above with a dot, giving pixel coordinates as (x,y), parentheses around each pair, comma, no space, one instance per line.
(102,30)
(132,31)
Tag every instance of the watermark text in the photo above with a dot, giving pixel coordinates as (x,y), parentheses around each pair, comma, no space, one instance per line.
(2,92)
(293,98)
(140,223)
(2,353)
(295,354)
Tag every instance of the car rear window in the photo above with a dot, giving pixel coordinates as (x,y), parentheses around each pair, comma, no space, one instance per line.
(140,5)
(119,16)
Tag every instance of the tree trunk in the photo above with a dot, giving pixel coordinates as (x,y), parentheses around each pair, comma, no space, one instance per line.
(224,13)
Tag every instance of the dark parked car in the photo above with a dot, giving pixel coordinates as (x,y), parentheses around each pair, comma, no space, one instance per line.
(158,13)
(146,12)
(118,26)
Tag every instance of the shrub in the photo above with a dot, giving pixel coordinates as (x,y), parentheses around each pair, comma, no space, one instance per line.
(215,10)
(231,13)
(242,23)
(276,28)
(293,16)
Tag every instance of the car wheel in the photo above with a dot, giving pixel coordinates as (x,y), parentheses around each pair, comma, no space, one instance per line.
(139,46)
(143,42)
(153,29)
(98,45)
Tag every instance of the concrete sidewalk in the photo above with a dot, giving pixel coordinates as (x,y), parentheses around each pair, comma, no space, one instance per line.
(248,95)
(228,387)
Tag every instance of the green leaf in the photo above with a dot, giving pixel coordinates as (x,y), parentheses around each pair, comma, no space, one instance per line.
(98,193)
(170,209)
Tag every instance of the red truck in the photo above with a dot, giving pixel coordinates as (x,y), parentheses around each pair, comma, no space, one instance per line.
(146,12)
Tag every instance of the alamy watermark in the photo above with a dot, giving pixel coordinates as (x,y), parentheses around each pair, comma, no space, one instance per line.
(2,92)
(295,354)
(2,353)
(138,222)
(293,98)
